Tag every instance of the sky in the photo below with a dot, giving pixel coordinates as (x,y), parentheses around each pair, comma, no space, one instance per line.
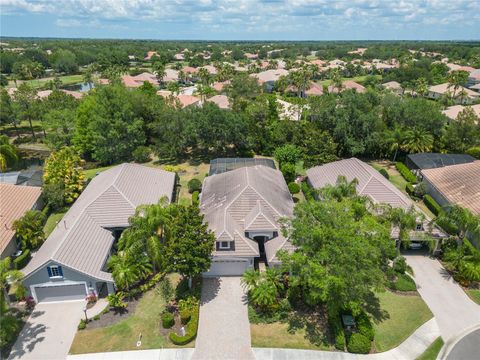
(243,19)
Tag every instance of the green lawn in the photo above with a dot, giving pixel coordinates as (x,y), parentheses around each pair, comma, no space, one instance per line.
(90,173)
(358,79)
(39,83)
(123,335)
(432,351)
(474,295)
(404,314)
(52,221)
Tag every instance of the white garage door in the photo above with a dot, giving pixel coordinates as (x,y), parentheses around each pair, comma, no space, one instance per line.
(227,268)
(60,293)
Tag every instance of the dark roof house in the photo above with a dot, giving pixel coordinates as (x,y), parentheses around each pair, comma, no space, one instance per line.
(435,160)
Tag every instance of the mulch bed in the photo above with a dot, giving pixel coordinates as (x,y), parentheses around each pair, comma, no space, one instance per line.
(113,317)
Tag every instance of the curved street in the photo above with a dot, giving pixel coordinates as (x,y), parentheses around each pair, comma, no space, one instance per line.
(467,348)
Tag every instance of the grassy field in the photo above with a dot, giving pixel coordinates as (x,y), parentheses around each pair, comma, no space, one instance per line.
(432,351)
(404,314)
(123,335)
(39,83)
(358,79)
(90,173)
(474,295)
(52,221)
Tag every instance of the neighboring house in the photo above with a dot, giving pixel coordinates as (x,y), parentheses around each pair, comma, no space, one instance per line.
(455,184)
(150,54)
(289,111)
(179,57)
(188,100)
(242,207)
(373,185)
(394,87)
(15,201)
(473,78)
(251,56)
(220,85)
(30,177)
(221,165)
(422,161)
(475,87)
(347,85)
(72,261)
(138,80)
(313,90)
(268,78)
(212,70)
(221,101)
(452,111)
(462,94)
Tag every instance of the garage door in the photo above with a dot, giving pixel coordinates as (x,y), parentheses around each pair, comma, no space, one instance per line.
(227,268)
(60,293)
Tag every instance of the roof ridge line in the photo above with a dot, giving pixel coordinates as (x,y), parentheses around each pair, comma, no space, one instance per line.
(245,241)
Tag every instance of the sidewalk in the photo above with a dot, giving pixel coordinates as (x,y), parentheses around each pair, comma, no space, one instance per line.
(156,354)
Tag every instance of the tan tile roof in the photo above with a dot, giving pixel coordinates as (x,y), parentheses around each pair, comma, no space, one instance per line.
(446,88)
(246,197)
(221,101)
(453,111)
(15,201)
(459,184)
(81,240)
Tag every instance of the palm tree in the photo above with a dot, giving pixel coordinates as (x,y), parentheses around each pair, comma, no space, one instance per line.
(462,220)
(159,70)
(301,80)
(403,220)
(264,295)
(342,189)
(8,153)
(456,79)
(251,279)
(204,76)
(337,80)
(395,138)
(417,141)
(128,267)
(421,86)
(7,277)
(88,76)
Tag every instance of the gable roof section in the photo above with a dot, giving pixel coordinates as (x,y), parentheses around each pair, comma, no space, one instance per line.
(436,160)
(82,240)
(250,196)
(370,182)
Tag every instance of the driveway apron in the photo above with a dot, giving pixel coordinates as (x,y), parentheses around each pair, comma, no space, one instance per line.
(224,329)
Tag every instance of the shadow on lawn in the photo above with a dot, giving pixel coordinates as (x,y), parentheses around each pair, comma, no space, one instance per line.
(315,325)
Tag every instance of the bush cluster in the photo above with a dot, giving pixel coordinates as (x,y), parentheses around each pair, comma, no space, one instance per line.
(406,173)
(82,325)
(336,329)
(141,154)
(474,151)
(194,185)
(308,192)
(191,330)
(22,260)
(384,173)
(410,189)
(195,200)
(294,188)
(403,283)
(359,344)
(364,326)
(432,205)
(168,320)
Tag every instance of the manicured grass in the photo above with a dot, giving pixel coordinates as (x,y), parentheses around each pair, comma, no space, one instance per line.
(432,351)
(277,335)
(403,315)
(52,221)
(358,79)
(123,335)
(39,83)
(90,173)
(474,295)
(188,171)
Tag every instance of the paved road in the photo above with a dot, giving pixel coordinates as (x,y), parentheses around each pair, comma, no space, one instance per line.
(224,329)
(49,331)
(468,348)
(453,309)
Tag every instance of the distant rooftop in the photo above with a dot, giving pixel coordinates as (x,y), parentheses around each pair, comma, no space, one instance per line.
(436,160)
(221,165)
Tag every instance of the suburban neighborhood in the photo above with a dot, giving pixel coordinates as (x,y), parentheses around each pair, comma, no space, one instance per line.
(176,186)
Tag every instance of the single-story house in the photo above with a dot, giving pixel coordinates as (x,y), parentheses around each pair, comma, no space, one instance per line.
(15,201)
(221,165)
(421,161)
(150,54)
(138,80)
(268,78)
(347,85)
(220,85)
(455,184)
(475,87)
(289,111)
(393,86)
(221,101)
(452,111)
(373,185)
(462,94)
(242,207)
(32,176)
(473,78)
(72,262)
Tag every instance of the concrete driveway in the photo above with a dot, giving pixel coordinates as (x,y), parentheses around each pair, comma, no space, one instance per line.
(224,329)
(49,331)
(453,309)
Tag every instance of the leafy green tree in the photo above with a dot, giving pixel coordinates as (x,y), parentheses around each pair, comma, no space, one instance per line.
(464,132)
(7,276)
(65,61)
(8,153)
(159,70)
(63,168)
(7,111)
(461,221)
(128,268)
(417,140)
(25,104)
(455,80)
(29,229)
(342,253)
(287,153)
(395,139)
(289,172)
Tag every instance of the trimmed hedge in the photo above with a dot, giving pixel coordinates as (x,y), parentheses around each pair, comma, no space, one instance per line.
(294,188)
(365,327)
(191,331)
(168,320)
(403,283)
(195,196)
(194,185)
(22,260)
(359,344)
(406,173)
(432,205)
(308,192)
(82,325)
(384,173)
(337,332)
(410,189)
(474,151)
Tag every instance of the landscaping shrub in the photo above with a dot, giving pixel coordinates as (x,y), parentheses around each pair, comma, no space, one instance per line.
(406,173)
(336,330)
(474,151)
(400,265)
(384,173)
(308,192)
(82,325)
(185,316)
(190,333)
(195,196)
(420,190)
(289,172)
(294,188)
(364,326)
(404,283)
(359,344)
(168,320)
(141,154)
(22,260)
(194,185)
(96,317)
(432,205)
(410,189)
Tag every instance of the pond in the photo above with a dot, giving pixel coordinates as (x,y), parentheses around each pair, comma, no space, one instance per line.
(82,87)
